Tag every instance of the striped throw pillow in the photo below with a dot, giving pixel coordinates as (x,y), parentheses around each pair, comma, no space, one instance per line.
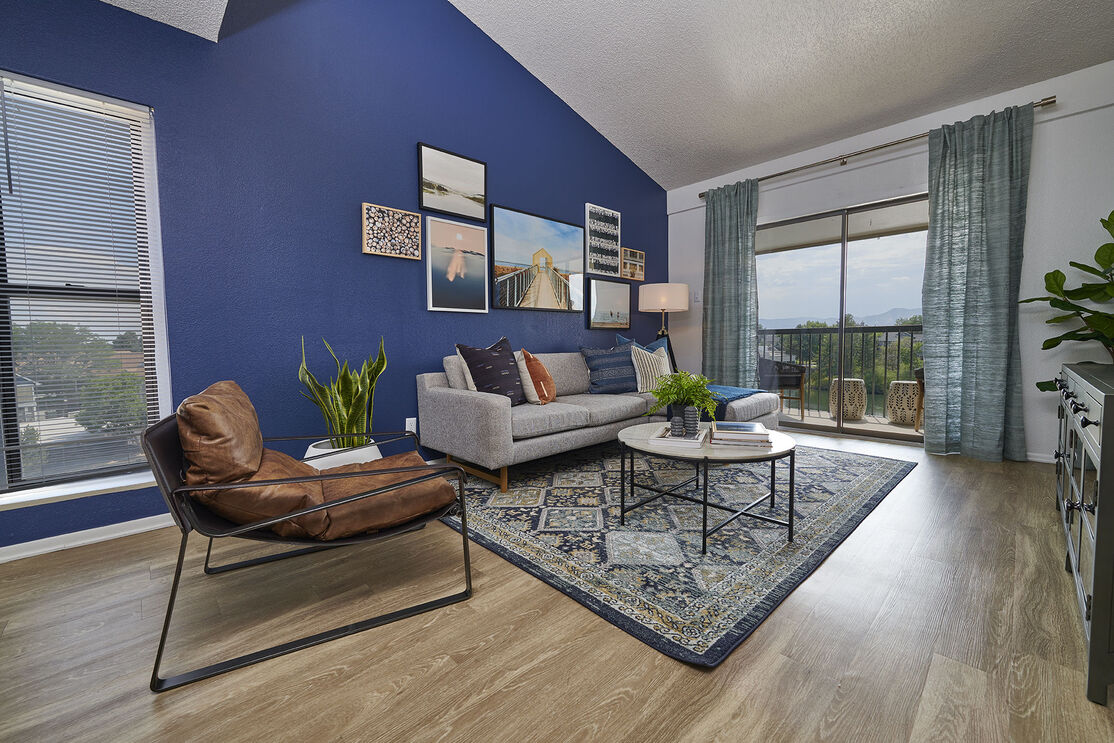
(648,367)
(610,370)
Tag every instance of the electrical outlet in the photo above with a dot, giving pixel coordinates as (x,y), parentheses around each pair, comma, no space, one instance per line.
(412,425)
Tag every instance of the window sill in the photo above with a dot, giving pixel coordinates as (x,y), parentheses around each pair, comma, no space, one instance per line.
(79,489)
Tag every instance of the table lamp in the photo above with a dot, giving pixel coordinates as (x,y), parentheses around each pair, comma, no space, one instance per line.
(663,298)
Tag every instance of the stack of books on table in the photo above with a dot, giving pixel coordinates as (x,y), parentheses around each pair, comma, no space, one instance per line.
(731,433)
(695,441)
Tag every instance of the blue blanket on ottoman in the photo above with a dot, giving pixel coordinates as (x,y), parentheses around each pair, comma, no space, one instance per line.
(726,395)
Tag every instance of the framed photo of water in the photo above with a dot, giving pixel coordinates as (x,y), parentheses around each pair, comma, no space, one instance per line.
(456,266)
(608,305)
(536,263)
(451,184)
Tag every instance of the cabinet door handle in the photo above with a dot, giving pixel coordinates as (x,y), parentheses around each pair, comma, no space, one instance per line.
(1057,455)
(1085,421)
(1088,507)
(1076,407)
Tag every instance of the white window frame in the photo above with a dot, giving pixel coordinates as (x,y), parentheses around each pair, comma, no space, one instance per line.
(145,115)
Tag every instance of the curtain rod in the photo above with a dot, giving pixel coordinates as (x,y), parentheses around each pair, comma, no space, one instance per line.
(842,159)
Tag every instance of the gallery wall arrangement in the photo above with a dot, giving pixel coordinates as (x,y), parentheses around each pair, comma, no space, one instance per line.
(250,177)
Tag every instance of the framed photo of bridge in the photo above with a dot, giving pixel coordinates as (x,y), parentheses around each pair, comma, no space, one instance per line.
(608,305)
(451,184)
(536,263)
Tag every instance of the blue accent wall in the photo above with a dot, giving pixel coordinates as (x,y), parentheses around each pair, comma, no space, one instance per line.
(267,144)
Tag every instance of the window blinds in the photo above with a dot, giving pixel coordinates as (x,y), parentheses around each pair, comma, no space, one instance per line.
(78,377)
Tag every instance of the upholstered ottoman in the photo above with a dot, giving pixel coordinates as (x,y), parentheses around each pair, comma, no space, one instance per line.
(901,402)
(761,407)
(853,393)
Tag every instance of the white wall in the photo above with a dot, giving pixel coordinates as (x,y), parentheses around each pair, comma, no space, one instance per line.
(1071,184)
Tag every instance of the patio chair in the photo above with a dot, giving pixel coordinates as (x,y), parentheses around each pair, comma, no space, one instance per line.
(404,501)
(780,376)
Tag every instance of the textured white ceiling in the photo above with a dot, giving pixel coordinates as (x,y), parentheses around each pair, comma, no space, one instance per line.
(201,17)
(692,89)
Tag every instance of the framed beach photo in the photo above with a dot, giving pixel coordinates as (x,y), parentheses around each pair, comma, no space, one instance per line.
(536,263)
(456,266)
(608,305)
(451,184)
(393,232)
(634,264)
(601,240)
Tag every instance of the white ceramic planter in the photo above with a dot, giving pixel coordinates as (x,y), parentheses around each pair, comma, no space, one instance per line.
(337,457)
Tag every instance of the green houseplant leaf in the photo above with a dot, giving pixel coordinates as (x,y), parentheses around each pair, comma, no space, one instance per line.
(683,389)
(346,402)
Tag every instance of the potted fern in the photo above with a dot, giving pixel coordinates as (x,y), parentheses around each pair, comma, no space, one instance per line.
(1096,324)
(346,405)
(687,393)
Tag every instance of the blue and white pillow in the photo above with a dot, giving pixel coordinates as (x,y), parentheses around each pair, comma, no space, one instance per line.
(610,370)
(662,342)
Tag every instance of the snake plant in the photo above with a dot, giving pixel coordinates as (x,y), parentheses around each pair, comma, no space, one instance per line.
(346,402)
(1097,325)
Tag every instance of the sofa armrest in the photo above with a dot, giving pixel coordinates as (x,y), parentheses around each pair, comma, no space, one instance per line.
(473,426)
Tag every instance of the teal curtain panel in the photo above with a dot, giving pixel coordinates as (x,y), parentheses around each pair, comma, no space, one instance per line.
(978,174)
(730,341)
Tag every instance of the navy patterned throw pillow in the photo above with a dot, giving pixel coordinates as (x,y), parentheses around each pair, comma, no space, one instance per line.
(610,370)
(494,370)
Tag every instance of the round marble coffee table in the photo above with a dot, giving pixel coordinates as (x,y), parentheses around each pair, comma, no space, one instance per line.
(640,438)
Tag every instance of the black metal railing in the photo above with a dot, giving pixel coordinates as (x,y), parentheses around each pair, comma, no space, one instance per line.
(877,354)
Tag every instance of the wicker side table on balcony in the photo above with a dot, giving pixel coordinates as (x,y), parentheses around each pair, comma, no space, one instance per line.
(901,402)
(853,394)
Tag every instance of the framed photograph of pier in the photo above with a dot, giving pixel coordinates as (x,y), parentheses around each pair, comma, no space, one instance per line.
(451,184)
(456,266)
(393,232)
(634,264)
(601,240)
(608,305)
(536,263)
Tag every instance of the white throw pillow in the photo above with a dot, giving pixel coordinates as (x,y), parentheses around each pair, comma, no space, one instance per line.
(528,388)
(649,367)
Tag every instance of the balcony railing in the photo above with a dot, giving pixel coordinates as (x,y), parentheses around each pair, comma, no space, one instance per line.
(877,355)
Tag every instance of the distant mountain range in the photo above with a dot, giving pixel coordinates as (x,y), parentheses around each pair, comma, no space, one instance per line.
(889,317)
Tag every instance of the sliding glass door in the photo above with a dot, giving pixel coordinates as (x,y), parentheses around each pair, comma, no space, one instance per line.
(840,317)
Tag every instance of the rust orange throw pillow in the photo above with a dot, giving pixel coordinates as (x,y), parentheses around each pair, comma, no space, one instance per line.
(543,382)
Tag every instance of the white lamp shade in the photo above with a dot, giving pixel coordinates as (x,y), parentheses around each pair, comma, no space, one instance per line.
(667,297)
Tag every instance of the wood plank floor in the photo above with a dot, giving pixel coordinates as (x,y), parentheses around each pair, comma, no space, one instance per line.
(946,615)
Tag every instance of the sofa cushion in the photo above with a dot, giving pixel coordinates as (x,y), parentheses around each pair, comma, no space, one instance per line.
(649,367)
(528,421)
(569,372)
(662,343)
(610,370)
(749,408)
(494,370)
(385,510)
(247,505)
(454,370)
(219,433)
(603,409)
(539,378)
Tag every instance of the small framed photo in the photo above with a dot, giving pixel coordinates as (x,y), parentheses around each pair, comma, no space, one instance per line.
(608,305)
(456,266)
(634,264)
(393,232)
(451,184)
(601,240)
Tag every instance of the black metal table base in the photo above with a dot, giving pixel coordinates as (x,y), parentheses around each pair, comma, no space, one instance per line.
(700,479)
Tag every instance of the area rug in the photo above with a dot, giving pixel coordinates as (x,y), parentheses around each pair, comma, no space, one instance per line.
(559,521)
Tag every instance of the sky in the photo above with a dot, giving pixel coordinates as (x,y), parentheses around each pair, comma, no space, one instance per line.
(883,273)
(457,173)
(445,234)
(518,236)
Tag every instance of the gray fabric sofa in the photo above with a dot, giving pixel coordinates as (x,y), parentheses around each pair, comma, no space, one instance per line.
(483,429)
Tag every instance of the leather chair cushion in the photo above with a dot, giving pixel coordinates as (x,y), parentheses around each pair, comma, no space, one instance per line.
(247,505)
(220,437)
(385,510)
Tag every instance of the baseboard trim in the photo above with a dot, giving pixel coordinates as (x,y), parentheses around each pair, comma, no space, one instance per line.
(88,536)
(1034,456)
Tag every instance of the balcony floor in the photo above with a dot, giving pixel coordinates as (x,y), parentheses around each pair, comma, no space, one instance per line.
(871,425)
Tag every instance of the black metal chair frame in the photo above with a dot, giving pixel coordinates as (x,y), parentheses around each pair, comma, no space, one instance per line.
(190,515)
(781,376)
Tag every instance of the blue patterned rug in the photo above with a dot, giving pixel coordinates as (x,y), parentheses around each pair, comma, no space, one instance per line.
(559,521)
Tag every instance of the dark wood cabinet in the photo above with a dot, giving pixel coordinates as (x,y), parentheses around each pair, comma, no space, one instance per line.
(1084,480)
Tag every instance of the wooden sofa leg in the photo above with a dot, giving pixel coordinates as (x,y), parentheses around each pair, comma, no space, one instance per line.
(499,477)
